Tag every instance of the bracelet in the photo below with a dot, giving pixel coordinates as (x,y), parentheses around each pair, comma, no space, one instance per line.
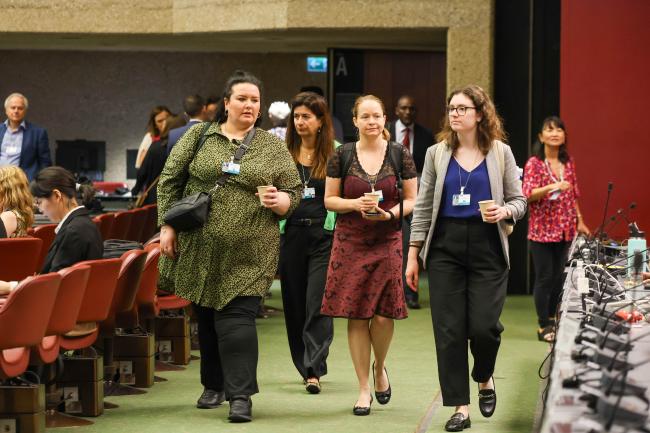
(392,215)
(416,244)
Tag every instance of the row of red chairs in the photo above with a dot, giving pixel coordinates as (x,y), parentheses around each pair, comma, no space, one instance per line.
(134,225)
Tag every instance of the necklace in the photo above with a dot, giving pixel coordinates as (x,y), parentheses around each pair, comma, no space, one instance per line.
(307,155)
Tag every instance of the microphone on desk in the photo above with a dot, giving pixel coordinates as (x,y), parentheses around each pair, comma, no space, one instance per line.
(599,231)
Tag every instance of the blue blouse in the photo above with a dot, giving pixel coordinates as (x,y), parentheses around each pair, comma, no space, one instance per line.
(477,184)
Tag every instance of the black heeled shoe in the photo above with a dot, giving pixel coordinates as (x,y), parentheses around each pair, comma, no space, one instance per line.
(362,411)
(458,422)
(487,400)
(383,397)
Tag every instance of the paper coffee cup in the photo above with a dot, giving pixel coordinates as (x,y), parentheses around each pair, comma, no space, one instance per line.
(262,190)
(375,197)
(484,204)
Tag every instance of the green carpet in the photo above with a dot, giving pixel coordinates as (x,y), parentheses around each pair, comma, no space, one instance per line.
(283,406)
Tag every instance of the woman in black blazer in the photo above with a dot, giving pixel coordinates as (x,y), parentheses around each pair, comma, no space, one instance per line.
(77,237)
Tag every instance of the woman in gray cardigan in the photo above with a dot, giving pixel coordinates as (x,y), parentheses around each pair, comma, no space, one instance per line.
(465,252)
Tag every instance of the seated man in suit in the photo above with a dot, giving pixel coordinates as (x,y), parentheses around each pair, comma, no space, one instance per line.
(23,144)
(417,139)
(195,108)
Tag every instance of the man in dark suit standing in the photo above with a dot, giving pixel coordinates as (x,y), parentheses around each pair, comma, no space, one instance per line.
(22,143)
(195,109)
(416,139)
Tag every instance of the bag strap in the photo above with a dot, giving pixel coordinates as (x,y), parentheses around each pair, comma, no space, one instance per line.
(396,154)
(346,161)
(501,157)
(437,158)
(239,154)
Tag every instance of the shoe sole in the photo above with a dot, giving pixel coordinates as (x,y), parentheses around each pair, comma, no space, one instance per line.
(312,388)
(240,418)
(208,406)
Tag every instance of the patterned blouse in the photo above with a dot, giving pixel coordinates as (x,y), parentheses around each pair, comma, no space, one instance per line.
(236,252)
(21,225)
(551,220)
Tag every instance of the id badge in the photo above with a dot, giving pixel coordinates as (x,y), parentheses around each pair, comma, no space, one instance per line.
(555,195)
(12,150)
(461,199)
(230,167)
(380,193)
(308,193)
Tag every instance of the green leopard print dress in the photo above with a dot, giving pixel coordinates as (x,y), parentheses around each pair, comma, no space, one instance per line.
(236,252)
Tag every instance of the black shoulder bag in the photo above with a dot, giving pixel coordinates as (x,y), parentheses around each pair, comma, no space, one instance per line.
(191,212)
(394,155)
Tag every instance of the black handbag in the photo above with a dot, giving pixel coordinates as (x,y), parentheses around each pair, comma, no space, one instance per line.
(191,212)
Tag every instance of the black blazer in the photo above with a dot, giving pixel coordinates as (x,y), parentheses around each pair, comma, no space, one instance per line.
(423,138)
(78,240)
(151,167)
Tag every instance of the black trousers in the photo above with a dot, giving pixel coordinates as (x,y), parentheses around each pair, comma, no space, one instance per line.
(228,346)
(409,294)
(549,259)
(468,279)
(304,257)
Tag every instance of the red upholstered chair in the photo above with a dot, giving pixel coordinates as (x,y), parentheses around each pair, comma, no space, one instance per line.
(138,221)
(24,318)
(97,299)
(151,225)
(145,300)
(19,258)
(121,225)
(105,221)
(46,234)
(66,310)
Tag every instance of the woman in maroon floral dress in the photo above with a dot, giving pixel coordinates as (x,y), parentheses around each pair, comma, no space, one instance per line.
(364,278)
(551,186)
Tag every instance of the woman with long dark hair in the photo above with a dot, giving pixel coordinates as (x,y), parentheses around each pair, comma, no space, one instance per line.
(155,124)
(551,186)
(465,252)
(307,239)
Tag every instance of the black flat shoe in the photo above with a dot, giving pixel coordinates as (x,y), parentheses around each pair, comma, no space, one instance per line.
(210,399)
(487,400)
(383,397)
(458,422)
(312,387)
(241,409)
(362,411)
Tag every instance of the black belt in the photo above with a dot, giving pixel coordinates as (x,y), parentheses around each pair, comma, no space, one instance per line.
(305,222)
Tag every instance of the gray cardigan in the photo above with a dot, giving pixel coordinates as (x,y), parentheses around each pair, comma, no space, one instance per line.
(504,189)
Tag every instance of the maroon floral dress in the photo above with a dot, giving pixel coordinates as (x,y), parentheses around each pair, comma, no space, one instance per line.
(364,277)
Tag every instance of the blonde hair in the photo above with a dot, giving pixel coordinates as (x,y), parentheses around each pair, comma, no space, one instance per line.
(15,194)
(361,99)
(489,129)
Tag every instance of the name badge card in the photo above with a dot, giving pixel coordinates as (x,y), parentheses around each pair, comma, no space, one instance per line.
(231,167)
(461,199)
(308,193)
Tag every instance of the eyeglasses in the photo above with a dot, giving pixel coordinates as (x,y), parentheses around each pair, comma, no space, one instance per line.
(461,110)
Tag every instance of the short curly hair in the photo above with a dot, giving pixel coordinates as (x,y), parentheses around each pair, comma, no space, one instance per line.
(489,129)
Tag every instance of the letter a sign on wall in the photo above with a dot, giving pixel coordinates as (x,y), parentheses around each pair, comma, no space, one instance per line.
(346,84)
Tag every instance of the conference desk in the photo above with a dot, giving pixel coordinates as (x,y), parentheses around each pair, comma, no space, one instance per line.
(564,410)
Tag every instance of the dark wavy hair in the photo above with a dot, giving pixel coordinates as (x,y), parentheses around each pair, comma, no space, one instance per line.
(151,123)
(538,146)
(489,129)
(325,138)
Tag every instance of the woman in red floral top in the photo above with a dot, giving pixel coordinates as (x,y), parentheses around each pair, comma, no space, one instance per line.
(551,186)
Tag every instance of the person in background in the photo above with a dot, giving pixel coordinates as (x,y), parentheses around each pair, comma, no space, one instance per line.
(338,126)
(417,139)
(278,113)
(364,277)
(195,109)
(307,239)
(154,161)
(226,266)
(156,123)
(551,185)
(465,252)
(77,236)
(22,143)
(211,107)
(16,203)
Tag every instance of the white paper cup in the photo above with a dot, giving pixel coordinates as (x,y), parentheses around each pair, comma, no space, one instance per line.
(375,197)
(261,190)
(484,205)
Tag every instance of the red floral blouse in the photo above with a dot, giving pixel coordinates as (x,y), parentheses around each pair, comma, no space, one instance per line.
(550,220)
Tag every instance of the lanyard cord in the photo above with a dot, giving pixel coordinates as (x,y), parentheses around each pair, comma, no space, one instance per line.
(550,172)
(305,179)
(460,184)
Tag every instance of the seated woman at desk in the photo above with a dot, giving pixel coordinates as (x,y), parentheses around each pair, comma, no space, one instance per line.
(77,237)
(16,202)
